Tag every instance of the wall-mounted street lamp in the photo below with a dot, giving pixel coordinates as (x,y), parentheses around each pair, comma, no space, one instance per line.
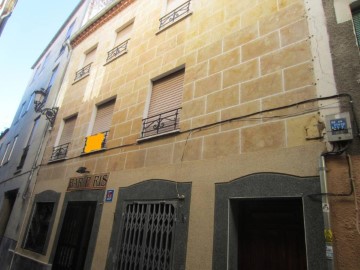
(39,101)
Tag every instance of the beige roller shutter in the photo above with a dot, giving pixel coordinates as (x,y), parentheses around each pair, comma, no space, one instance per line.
(123,34)
(103,117)
(167,93)
(68,130)
(90,57)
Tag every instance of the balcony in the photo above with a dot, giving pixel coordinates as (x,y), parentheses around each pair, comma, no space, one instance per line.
(117,51)
(85,71)
(175,15)
(95,142)
(59,152)
(160,124)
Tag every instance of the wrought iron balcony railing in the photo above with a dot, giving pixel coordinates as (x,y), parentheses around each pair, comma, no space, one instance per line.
(117,51)
(162,123)
(83,72)
(174,15)
(95,142)
(59,152)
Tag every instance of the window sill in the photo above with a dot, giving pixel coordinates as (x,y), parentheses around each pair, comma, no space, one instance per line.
(93,152)
(57,160)
(83,77)
(173,23)
(116,57)
(153,137)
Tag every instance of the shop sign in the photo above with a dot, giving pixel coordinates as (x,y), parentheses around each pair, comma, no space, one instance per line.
(88,182)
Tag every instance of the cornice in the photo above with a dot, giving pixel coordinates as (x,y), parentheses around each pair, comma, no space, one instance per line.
(99,21)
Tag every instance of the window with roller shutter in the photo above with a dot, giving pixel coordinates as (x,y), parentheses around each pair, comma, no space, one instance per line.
(60,151)
(165,103)
(97,140)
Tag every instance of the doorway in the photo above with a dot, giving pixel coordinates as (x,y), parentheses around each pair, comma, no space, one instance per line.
(6,209)
(74,236)
(270,233)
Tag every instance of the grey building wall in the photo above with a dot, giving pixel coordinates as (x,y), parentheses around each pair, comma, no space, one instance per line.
(345,59)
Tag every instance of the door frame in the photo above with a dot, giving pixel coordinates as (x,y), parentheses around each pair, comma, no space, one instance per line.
(263,186)
(81,196)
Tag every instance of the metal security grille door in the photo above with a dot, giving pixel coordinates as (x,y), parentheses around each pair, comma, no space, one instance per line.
(74,236)
(147,236)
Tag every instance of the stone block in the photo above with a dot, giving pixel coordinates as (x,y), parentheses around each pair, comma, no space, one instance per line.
(116,163)
(294,32)
(240,37)
(261,87)
(260,46)
(241,73)
(263,137)
(263,9)
(208,85)
(196,72)
(289,56)
(222,144)
(285,16)
(205,120)
(135,159)
(223,99)
(159,155)
(290,97)
(296,130)
(209,51)
(193,108)
(188,92)
(224,61)
(188,150)
(299,76)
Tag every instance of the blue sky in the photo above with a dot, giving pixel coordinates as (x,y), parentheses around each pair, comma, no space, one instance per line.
(27,33)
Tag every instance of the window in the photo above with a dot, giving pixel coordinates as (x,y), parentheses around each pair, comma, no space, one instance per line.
(150,227)
(12,148)
(31,102)
(356,21)
(68,34)
(45,62)
(85,71)
(60,151)
(52,79)
(22,110)
(175,11)
(40,222)
(121,42)
(101,127)
(39,226)
(26,149)
(5,154)
(165,102)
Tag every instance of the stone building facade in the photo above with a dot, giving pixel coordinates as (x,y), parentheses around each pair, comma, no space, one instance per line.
(189,136)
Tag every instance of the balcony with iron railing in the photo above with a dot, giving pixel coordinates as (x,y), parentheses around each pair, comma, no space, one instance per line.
(95,142)
(59,152)
(162,123)
(179,13)
(82,73)
(117,51)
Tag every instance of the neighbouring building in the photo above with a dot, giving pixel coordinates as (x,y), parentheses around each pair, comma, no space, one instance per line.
(22,148)
(201,134)
(6,9)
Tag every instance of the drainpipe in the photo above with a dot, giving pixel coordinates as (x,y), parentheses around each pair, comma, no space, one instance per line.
(326,214)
